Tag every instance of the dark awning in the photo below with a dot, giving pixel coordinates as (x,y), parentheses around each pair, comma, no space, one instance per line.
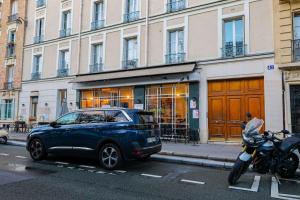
(137,72)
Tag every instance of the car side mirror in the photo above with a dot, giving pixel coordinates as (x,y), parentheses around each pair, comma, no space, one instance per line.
(54,124)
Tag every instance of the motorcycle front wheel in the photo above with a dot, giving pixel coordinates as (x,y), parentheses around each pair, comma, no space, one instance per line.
(236,172)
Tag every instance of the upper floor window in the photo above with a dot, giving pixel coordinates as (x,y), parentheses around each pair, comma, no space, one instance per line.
(40,3)
(9,78)
(36,68)
(65,24)
(175,5)
(11,46)
(98,15)
(12,36)
(39,30)
(175,51)
(14,7)
(132,11)
(130,53)
(296,37)
(96,58)
(234,41)
(64,61)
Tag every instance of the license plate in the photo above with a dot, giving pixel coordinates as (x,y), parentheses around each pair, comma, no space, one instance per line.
(151,140)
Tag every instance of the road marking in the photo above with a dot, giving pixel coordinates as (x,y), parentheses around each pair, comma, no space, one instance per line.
(275,191)
(60,166)
(21,157)
(80,169)
(190,181)
(71,167)
(62,163)
(151,175)
(292,180)
(87,166)
(91,170)
(120,171)
(101,172)
(254,187)
(4,154)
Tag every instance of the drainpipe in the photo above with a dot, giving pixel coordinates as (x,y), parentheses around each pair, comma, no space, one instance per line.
(147,33)
(283,99)
(79,38)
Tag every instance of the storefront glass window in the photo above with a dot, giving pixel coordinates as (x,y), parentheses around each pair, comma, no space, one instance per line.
(107,97)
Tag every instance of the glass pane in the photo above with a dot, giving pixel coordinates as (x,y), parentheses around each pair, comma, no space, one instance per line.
(115,116)
(239,30)
(71,118)
(87,99)
(180,41)
(228,31)
(166,110)
(297,27)
(172,42)
(92,117)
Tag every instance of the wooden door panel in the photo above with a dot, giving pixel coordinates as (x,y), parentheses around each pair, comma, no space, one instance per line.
(254,86)
(235,87)
(235,115)
(216,131)
(216,117)
(216,88)
(255,105)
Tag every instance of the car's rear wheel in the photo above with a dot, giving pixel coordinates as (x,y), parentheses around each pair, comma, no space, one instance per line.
(3,140)
(110,156)
(37,150)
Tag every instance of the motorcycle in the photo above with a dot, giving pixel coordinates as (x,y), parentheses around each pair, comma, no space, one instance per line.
(3,136)
(267,152)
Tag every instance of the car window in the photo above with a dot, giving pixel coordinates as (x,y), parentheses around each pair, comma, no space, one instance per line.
(115,116)
(71,118)
(146,118)
(92,117)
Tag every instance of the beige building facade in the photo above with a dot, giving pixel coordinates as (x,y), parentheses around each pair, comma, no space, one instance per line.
(287,52)
(198,65)
(12,27)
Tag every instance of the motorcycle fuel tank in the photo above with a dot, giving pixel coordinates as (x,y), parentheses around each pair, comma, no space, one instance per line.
(267,146)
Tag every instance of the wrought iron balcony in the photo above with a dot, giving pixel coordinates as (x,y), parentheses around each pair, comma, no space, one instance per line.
(12,18)
(97,24)
(8,86)
(231,51)
(38,39)
(35,76)
(130,17)
(296,50)
(63,72)
(65,32)
(175,58)
(175,6)
(40,3)
(130,64)
(11,50)
(95,68)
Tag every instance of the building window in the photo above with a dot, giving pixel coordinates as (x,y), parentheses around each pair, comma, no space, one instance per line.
(34,107)
(39,30)
(107,97)
(96,58)
(132,11)
(6,109)
(233,41)
(9,78)
(64,61)
(14,12)
(11,45)
(36,68)
(175,5)
(98,15)
(40,3)
(130,53)
(65,24)
(175,48)
(296,37)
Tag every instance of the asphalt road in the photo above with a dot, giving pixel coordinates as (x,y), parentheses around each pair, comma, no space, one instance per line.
(73,178)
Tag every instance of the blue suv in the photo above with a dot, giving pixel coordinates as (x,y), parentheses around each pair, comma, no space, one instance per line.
(111,135)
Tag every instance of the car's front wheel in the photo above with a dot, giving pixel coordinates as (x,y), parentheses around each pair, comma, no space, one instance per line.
(110,157)
(37,150)
(3,140)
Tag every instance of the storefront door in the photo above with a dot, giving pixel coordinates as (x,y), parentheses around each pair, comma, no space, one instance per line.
(170,105)
(295,108)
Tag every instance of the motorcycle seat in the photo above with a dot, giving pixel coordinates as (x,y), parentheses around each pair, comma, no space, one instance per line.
(289,143)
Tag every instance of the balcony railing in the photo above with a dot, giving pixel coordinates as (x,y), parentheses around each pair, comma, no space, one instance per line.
(12,18)
(8,86)
(11,50)
(38,39)
(130,17)
(230,51)
(95,68)
(130,64)
(175,6)
(40,3)
(63,72)
(296,50)
(175,58)
(35,76)
(97,24)
(65,32)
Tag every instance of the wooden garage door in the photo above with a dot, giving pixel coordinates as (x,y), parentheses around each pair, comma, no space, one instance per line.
(228,102)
